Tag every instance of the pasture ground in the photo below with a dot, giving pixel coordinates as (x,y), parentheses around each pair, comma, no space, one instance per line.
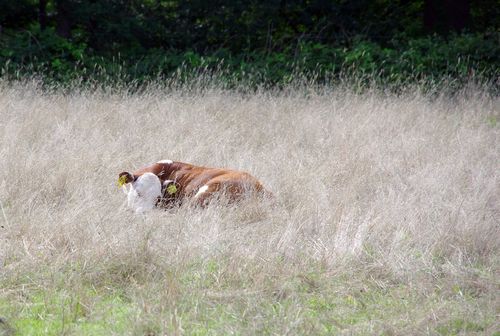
(386,218)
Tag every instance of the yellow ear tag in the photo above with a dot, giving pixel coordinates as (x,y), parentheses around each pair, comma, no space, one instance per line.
(171,189)
(122,180)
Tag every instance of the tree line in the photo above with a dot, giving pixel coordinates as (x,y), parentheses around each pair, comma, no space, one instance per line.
(67,38)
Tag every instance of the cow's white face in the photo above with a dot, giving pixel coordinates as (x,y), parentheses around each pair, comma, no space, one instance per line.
(144,192)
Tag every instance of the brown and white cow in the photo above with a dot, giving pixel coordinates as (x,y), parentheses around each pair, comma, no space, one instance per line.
(166,183)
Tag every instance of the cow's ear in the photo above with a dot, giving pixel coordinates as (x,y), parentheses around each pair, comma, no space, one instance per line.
(124,178)
(169,188)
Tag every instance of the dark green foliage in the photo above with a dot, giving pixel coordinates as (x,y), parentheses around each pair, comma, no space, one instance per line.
(261,41)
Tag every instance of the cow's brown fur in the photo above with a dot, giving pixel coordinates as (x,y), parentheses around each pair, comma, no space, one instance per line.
(189,179)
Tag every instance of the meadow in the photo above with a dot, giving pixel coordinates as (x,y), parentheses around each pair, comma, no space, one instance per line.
(386,218)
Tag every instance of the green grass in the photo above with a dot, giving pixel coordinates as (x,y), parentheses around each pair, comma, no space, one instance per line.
(197,300)
(55,312)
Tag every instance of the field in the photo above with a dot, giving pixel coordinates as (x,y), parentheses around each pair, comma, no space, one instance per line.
(386,219)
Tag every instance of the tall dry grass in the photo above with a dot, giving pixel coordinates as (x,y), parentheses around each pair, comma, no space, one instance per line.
(398,189)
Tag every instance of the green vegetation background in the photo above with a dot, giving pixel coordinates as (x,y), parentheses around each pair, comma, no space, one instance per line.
(264,42)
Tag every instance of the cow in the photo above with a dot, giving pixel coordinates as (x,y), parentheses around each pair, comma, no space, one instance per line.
(166,183)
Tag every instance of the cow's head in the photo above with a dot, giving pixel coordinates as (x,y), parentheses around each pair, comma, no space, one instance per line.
(144,190)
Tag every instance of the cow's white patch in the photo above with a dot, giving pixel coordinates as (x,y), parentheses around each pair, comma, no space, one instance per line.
(201,190)
(166,182)
(166,161)
(144,192)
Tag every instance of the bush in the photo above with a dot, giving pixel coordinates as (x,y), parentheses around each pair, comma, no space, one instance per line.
(401,61)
